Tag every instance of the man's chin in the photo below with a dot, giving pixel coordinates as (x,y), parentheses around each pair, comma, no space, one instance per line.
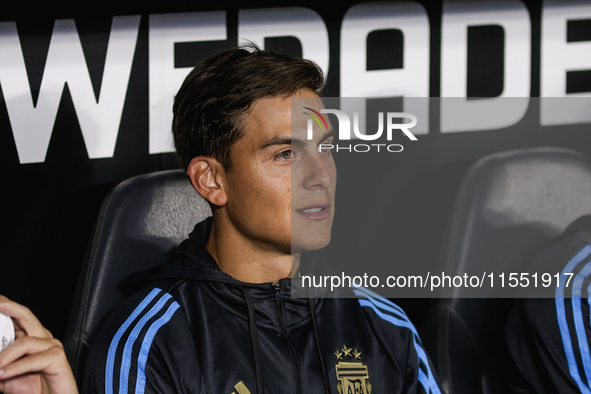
(309,245)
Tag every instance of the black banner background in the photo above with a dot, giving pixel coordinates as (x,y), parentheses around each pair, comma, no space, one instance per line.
(50,207)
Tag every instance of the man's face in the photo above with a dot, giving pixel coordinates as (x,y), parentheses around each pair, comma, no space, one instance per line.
(281,190)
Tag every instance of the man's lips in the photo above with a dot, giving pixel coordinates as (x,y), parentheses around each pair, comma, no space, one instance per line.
(315,211)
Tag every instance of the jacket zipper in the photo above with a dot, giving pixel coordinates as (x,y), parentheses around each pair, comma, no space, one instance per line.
(290,349)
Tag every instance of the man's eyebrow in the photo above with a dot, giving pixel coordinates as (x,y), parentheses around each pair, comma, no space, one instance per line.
(287,140)
(281,140)
(329,134)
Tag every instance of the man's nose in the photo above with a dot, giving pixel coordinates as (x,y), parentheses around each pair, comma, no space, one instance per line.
(319,173)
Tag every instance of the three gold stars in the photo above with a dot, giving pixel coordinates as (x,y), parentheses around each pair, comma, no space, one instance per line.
(346,351)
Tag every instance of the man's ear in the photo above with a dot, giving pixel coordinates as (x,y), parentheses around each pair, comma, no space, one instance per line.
(207,176)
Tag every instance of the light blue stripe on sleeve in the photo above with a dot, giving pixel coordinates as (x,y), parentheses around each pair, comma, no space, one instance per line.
(126,360)
(427,381)
(561,316)
(109,369)
(362,291)
(140,383)
(579,321)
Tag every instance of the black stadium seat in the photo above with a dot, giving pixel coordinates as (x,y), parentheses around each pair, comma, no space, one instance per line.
(140,222)
(509,207)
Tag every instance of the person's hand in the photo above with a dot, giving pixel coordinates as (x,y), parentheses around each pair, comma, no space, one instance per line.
(36,362)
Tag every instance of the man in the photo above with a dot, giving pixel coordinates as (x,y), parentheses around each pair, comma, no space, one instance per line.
(219,317)
(549,337)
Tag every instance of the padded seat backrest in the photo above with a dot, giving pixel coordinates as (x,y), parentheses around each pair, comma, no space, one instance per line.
(509,207)
(141,221)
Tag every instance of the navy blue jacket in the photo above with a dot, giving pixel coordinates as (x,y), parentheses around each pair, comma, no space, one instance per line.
(549,337)
(191,328)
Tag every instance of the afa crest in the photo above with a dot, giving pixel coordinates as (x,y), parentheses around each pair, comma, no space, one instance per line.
(352,375)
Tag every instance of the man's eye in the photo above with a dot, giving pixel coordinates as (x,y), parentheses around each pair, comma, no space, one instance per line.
(286,154)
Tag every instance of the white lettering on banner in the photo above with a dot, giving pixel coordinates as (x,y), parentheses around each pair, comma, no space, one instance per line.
(484,113)
(557,58)
(32,120)
(165,80)
(32,123)
(305,24)
(412,80)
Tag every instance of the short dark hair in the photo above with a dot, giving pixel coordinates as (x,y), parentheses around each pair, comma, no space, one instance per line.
(209,105)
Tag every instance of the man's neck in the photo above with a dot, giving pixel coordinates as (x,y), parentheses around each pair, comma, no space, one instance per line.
(246,260)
